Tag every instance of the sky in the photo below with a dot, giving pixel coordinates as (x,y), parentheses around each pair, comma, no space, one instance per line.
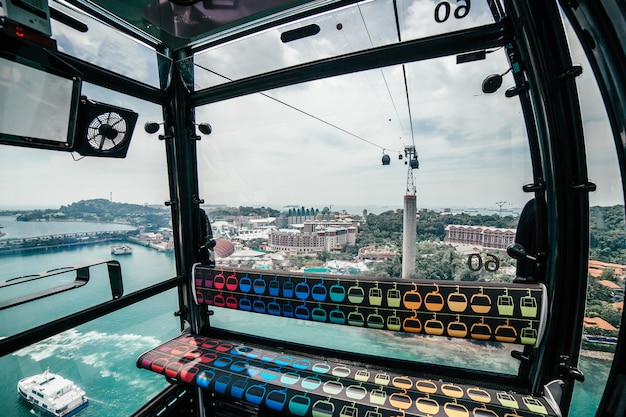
(320,143)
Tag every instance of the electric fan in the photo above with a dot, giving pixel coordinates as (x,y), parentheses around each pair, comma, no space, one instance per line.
(104,130)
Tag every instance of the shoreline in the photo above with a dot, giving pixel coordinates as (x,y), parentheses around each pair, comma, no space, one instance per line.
(597,354)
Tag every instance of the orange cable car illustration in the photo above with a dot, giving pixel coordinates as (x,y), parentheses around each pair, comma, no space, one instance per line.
(479,394)
(457,328)
(452,390)
(412,300)
(483,411)
(402,382)
(457,301)
(412,324)
(400,400)
(454,409)
(481,302)
(426,386)
(506,333)
(480,330)
(434,300)
(433,326)
(427,405)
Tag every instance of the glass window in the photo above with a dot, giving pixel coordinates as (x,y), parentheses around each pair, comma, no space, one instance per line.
(353,28)
(462,152)
(607,251)
(61,209)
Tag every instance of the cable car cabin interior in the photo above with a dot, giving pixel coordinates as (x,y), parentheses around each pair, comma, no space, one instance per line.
(195,219)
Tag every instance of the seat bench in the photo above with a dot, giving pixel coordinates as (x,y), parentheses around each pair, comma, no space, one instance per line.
(297,384)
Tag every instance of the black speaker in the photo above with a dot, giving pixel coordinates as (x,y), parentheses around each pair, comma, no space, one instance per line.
(103,130)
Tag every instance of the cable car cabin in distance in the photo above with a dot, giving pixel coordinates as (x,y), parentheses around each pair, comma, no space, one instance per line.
(272,281)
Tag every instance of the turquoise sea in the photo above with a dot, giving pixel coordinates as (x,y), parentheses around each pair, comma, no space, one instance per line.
(100,356)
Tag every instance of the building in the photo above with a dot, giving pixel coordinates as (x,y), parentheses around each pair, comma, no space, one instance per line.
(313,238)
(376,253)
(597,267)
(487,237)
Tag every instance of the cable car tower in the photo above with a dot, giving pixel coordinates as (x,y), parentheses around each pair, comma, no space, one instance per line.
(409,234)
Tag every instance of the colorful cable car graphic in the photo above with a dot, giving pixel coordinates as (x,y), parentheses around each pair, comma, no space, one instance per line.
(284,261)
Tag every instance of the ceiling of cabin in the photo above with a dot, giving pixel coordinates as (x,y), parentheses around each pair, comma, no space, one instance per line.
(178,23)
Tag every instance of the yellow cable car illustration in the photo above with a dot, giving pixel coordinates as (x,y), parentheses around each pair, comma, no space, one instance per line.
(376,295)
(505,304)
(507,400)
(382,379)
(528,305)
(349,411)
(529,335)
(362,375)
(426,386)
(457,328)
(393,296)
(479,394)
(402,382)
(434,300)
(534,404)
(378,396)
(373,413)
(427,405)
(394,323)
(412,300)
(454,409)
(452,390)
(457,301)
(481,302)
(483,412)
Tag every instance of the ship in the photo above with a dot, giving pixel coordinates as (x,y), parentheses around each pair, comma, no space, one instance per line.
(52,394)
(121,250)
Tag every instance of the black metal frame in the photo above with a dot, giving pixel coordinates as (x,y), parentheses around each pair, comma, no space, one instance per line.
(562,183)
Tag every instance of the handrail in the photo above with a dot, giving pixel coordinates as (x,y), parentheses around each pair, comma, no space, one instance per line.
(82,278)
(20,340)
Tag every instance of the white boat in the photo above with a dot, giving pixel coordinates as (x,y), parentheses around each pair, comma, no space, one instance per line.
(121,250)
(53,394)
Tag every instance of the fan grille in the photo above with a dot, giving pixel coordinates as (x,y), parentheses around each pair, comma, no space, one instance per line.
(106,131)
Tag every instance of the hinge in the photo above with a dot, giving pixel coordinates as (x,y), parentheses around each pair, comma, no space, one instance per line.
(586,186)
(568,371)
